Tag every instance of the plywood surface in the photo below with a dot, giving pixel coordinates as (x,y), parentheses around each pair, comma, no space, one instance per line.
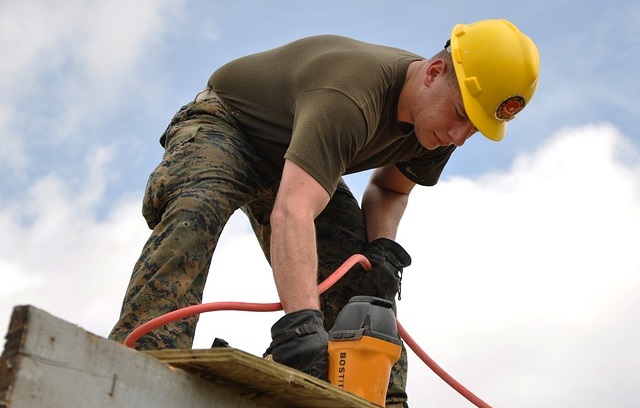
(267,382)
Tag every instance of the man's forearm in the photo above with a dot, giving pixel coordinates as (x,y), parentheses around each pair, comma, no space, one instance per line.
(294,262)
(383,210)
(294,257)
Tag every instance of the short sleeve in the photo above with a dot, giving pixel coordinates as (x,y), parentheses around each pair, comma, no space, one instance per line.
(328,131)
(426,169)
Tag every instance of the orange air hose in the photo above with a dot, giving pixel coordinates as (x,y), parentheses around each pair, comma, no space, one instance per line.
(439,371)
(243,306)
(152,324)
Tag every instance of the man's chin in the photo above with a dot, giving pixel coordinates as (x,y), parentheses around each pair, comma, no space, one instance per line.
(430,141)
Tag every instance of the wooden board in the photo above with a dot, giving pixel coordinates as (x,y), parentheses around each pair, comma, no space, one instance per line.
(50,363)
(267,382)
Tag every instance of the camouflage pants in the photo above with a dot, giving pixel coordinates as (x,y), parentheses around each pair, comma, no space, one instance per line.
(209,169)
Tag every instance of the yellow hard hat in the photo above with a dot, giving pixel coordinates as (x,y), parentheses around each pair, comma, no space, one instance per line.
(497,67)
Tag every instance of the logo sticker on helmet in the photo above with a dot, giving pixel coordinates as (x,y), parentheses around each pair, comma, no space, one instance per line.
(509,107)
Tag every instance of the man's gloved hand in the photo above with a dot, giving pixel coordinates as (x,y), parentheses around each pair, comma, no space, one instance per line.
(387,259)
(300,341)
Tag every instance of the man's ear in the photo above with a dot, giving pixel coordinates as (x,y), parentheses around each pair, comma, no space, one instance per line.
(436,67)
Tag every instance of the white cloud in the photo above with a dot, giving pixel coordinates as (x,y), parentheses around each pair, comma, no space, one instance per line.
(60,258)
(74,60)
(524,283)
(527,279)
(19,281)
(101,40)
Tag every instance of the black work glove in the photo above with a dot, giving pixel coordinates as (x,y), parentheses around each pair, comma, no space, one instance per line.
(387,259)
(300,341)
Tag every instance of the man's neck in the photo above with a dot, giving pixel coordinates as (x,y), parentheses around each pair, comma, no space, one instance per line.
(411,87)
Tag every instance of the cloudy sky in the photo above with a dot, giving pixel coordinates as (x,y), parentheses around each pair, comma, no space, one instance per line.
(526,255)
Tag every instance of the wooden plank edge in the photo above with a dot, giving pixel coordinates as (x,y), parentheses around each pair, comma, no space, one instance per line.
(11,357)
(41,350)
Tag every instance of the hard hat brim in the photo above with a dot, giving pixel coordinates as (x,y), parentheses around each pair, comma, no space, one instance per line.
(490,127)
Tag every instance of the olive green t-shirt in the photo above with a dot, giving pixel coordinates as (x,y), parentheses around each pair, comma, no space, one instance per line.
(329,104)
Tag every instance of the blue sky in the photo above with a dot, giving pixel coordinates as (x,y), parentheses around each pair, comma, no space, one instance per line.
(526,268)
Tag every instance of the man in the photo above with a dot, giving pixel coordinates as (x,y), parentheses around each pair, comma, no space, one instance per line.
(274,132)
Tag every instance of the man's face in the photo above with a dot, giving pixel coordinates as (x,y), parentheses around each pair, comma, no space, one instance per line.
(439,117)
